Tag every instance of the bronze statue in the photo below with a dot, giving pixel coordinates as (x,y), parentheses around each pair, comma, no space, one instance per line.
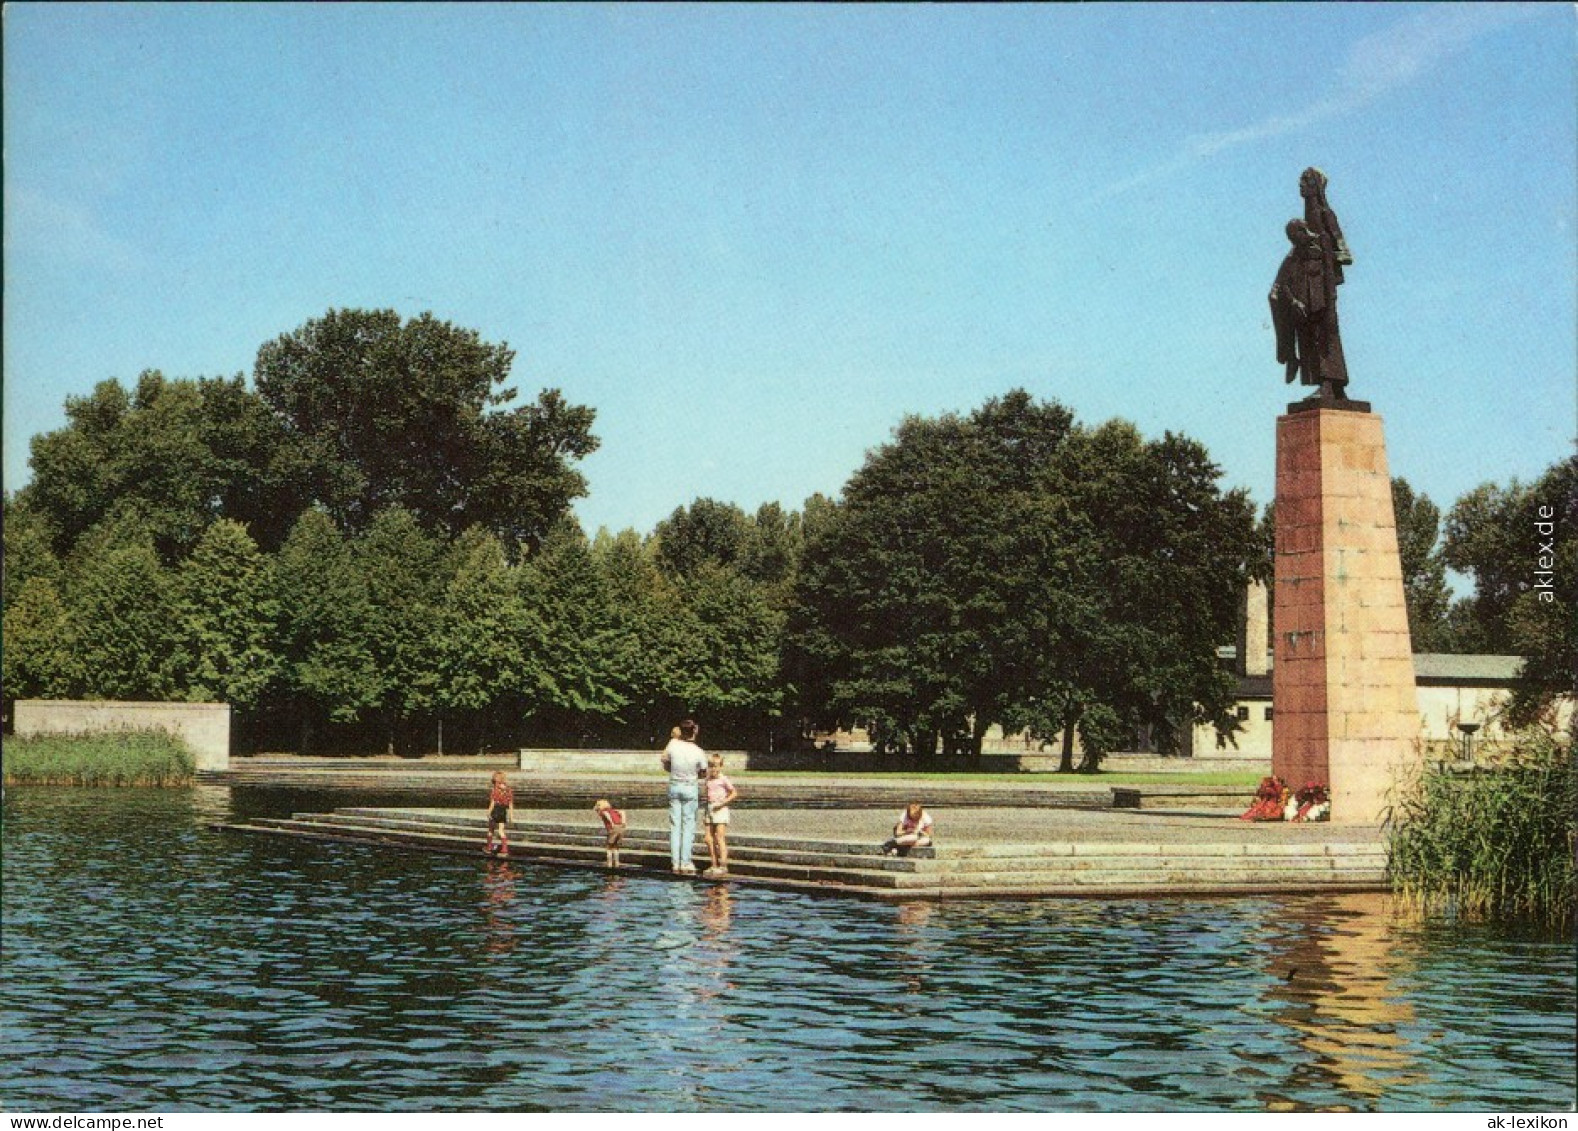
(1304,296)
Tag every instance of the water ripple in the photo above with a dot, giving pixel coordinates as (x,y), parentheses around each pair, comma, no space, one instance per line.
(240,974)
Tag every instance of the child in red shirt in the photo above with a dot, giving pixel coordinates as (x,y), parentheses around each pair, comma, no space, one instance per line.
(501,807)
(614,823)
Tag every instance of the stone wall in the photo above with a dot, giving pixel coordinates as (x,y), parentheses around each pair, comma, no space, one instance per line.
(204,727)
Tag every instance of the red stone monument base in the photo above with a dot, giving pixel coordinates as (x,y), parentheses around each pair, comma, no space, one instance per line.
(1346,709)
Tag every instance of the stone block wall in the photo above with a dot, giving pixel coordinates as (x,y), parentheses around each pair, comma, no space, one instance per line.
(204,727)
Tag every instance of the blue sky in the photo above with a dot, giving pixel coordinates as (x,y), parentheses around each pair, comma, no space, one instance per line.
(754,238)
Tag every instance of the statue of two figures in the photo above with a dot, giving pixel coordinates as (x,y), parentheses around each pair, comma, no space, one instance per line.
(1304,296)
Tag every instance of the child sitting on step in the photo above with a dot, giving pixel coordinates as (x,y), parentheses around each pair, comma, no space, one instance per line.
(614,824)
(501,808)
(913,830)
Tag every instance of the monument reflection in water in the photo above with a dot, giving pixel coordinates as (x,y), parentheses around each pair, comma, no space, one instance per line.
(1337,992)
(258,974)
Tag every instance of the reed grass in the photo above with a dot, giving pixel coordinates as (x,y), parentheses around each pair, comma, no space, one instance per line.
(126,758)
(1494,842)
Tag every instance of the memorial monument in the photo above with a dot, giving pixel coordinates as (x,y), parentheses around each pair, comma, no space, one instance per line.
(1342,679)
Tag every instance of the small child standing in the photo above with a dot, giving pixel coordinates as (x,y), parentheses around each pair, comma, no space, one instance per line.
(614,824)
(501,809)
(720,791)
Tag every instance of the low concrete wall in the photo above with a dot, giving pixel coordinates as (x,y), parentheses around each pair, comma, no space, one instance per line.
(854,761)
(646,761)
(204,727)
(617,761)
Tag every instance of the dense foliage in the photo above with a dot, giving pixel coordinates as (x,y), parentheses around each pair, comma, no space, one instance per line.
(385,413)
(1425,590)
(367,549)
(1520,545)
(1493,842)
(1013,567)
(353,413)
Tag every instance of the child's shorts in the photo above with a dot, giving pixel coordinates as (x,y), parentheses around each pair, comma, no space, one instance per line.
(498,815)
(718,816)
(616,833)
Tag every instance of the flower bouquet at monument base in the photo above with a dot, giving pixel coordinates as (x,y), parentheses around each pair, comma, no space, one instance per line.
(1312,802)
(1271,799)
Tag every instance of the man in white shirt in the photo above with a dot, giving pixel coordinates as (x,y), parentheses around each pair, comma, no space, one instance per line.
(686,764)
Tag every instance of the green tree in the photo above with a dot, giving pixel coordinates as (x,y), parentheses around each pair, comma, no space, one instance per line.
(1424,569)
(771,555)
(705,532)
(727,656)
(729,576)
(174,454)
(40,658)
(1543,616)
(118,597)
(902,614)
(1520,545)
(1489,535)
(410,414)
(576,657)
(1156,589)
(481,638)
(226,621)
(646,636)
(329,672)
(28,549)
(402,570)
(1010,567)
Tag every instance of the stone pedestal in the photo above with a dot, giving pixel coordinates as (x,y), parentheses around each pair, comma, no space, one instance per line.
(1343,677)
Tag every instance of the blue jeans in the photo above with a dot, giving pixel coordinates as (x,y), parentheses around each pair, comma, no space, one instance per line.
(681,821)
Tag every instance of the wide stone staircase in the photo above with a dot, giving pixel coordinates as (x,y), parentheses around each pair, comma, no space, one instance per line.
(955,870)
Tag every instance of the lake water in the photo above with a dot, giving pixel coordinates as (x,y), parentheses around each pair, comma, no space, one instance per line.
(149,963)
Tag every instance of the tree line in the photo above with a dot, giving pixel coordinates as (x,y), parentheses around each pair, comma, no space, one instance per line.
(370,547)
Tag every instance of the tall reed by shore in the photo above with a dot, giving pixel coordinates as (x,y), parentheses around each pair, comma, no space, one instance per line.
(1494,842)
(130,758)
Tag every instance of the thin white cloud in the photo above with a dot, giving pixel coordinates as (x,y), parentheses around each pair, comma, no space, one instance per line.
(40,224)
(1375,66)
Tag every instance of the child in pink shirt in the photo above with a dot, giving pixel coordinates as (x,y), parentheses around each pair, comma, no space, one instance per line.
(912,830)
(720,791)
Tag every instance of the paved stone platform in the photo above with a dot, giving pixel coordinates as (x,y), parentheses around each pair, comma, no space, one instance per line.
(980,852)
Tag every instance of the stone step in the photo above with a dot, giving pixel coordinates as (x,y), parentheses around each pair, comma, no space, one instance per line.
(531,851)
(774,858)
(955,851)
(1086,874)
(595,832)
(533,841)
(967,855)
(640,863)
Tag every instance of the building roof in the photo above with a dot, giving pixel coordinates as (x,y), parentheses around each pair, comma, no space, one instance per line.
(1433,668)
(1445,667)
